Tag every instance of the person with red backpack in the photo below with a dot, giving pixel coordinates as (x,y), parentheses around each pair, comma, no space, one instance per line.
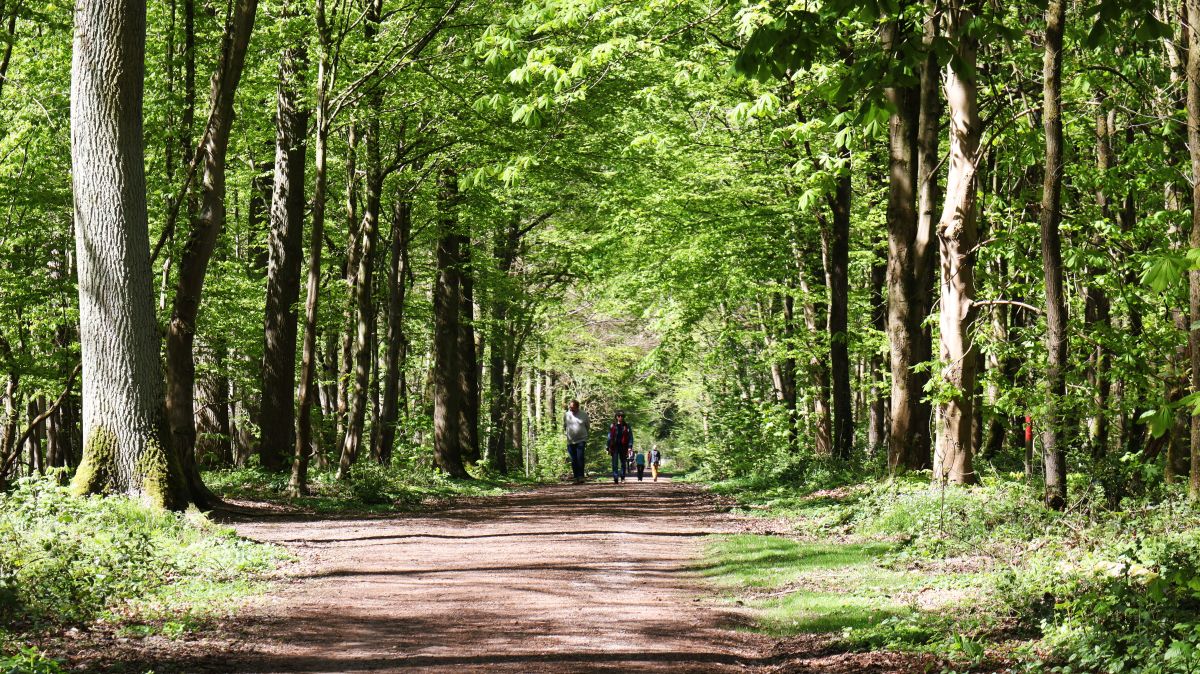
(620,442)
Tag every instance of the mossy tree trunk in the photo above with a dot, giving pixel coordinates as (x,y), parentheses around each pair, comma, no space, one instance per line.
(126,444)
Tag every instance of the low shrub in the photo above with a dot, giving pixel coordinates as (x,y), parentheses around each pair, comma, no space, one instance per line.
(68,559)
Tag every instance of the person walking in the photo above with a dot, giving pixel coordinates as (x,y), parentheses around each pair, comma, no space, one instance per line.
(620,441)
(655,459)
(639,459)
(575,427)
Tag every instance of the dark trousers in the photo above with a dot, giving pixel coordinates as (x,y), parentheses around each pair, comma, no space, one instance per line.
(576,451)
(641,469)
(620,465)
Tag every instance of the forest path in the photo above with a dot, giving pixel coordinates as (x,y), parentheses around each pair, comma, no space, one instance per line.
(563,578)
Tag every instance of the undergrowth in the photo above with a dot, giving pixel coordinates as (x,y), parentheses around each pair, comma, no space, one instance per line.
(68,560)
(370,488)
(1092,589)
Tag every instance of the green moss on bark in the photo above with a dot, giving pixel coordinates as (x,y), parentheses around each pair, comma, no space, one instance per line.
(157,477)
(162,477)
(97,471)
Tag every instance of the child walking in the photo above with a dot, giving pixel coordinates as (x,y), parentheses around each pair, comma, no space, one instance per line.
(640,460)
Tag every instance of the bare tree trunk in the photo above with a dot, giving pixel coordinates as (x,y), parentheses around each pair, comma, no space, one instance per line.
(447,437)
(1193,127)
(127,445)
(819,371)
(958,236)
(350,274)
(1097,315)
(298,484)
(286,243)
(839,310)
(469,371)
(205,228)
(396,351)
(213,437)
(363,288)
(1054,426)
(913,134)
(877,406)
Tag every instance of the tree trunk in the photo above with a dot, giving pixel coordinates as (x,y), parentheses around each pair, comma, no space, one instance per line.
(1053,425)
(1097,316)
(469,371)
(205,228)
(913,137)
(286,244)
(877,410)
(298,484)
(396,351)
(213,439)
(350,274)
(839,309)
(958,236)
(127,445)
(368,236)
(447,312)
(819,371)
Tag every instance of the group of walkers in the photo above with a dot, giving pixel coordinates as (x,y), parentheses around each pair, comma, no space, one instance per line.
(620,446)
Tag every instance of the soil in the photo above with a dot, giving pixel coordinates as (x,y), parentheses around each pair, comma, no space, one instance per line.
(564,578)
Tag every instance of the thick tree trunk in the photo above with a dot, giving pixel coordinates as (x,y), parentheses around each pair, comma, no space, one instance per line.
(205,228)
(396,350)
(1053,425)
(958,236)
(447,312)
(127,445)
(913,143)
(500,341)
(286,244)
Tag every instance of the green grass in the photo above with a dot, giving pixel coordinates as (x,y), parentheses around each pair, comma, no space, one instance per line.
(798,587)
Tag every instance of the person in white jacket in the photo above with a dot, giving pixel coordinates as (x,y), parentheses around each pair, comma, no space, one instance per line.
(575,427)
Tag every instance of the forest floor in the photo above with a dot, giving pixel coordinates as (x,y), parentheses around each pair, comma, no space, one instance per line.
(561,578)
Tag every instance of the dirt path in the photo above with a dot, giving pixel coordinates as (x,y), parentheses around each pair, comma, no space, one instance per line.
(564,578)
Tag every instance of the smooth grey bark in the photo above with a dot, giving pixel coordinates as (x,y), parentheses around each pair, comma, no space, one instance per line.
(1054,425)
(127,446)
(958,238)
